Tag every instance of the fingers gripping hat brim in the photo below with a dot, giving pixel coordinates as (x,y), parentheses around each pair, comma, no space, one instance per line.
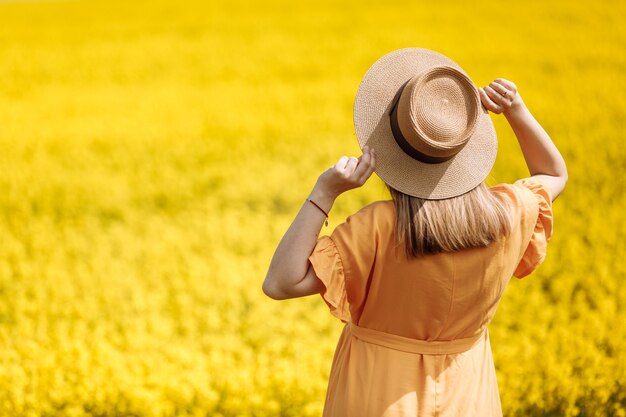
(379,89)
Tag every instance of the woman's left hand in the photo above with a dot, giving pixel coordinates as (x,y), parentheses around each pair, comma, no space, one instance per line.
(347,173)
(290,274)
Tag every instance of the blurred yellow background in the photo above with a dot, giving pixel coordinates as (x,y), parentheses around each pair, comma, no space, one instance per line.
(153,153)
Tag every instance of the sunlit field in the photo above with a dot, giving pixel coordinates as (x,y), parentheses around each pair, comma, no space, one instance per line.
(152,154)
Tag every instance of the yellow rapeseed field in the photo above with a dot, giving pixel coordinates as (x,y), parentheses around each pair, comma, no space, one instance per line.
(153,153)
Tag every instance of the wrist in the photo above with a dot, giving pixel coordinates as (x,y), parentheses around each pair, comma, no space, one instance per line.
(323,197)
(517,109)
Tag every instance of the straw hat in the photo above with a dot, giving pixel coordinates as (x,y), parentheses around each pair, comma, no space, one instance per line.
(423,116)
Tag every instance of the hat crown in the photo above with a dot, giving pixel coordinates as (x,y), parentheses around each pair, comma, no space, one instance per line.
(460,126)
(437,113)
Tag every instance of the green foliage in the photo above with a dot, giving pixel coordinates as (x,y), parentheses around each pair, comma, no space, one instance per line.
(153,154)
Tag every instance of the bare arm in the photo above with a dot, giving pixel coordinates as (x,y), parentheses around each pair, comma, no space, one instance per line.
(542,157)
(290,274)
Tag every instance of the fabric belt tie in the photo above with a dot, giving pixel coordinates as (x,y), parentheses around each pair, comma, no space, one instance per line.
(406,344)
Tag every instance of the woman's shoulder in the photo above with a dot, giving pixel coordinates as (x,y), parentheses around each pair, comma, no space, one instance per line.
(374,216)
(522,192)
(531,201)
(534,202)
(376,210)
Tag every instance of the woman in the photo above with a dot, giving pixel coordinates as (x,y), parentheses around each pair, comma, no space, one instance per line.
(417,279)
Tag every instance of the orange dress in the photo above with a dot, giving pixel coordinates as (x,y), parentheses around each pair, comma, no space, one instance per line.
(415,340)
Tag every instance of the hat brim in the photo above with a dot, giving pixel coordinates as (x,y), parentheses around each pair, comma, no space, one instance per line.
(377,92)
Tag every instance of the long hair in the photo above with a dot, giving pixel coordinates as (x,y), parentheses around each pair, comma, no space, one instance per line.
(476,218)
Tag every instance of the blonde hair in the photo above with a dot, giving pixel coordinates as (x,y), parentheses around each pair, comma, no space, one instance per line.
(476,218)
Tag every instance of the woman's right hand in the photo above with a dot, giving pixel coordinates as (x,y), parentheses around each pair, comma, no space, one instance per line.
(543,159)
(500,96)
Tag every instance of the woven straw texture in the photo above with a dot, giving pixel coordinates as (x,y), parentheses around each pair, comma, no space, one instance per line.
(443,117)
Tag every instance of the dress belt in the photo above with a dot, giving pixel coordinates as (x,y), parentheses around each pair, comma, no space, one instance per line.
(406,344)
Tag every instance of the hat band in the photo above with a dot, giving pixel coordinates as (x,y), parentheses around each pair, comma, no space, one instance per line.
(406,147)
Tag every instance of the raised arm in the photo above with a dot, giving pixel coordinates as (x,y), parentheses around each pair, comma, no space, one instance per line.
(290,274)
(542,157)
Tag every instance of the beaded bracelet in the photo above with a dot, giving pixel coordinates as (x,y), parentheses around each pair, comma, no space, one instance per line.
(321,209)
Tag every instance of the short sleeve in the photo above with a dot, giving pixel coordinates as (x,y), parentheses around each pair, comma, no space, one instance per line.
(328,267)
(538,202)
(344,260)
